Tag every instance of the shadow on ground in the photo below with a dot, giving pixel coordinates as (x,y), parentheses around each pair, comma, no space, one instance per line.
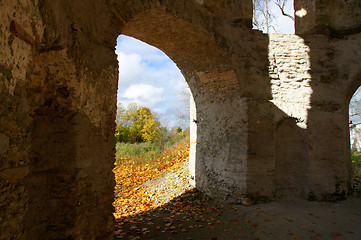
(195,216)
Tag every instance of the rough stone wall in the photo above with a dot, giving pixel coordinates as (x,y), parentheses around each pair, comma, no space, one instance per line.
(336,18)
(313,79)
(72,94)
(57,120)
(355,137)
(221,149)
(291,92)
(328,116)
(15,55)
(271,117)
(71,155)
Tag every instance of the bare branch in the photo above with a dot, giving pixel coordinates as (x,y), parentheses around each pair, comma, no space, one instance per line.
(281,6)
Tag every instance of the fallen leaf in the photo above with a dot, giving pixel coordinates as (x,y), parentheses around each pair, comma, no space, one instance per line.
(335,234)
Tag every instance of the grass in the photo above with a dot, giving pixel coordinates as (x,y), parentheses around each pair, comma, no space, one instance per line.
(356,163)
(147,152)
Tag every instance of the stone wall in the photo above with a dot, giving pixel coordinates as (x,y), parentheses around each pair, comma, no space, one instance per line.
(355,137)
(270,115)
(15,142)
(337,18)
(291,91)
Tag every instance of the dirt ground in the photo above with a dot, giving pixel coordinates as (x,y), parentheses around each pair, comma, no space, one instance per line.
(193,215)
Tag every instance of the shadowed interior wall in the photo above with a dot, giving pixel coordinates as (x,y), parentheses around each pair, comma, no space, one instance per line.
(336,18)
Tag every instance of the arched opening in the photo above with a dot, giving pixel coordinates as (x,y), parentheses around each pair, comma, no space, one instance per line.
(213,84)
(72,102)
(214,152)
(152,150)
(355,120)
(59,141)
(355,134)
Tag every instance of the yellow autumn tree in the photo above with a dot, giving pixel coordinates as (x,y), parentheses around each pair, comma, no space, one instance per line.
(137,124)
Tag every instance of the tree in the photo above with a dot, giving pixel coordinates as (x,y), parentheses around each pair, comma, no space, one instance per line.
(136,124)
(264,17)
(281,4)
(184,111)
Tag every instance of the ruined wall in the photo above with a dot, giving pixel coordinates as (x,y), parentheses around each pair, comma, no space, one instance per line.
(355,137)
(337,18)
(72,95)
(221,149)
(56,143)
(328,115)
(270,111)
(312,78)
(291,93)
(15,141)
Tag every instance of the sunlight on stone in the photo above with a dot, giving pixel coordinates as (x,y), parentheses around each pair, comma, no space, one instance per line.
(301,13)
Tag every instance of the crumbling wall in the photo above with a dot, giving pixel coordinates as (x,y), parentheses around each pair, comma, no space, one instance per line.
(15,141)
(71,154)
(57,146)
(270,111)
(313,79)
(291,93)
(355,138)
(221,148)
(334,63)
(336,18)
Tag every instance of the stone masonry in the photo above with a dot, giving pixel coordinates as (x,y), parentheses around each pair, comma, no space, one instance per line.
(269,113)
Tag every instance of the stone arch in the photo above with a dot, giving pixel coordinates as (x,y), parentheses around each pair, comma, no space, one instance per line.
(353,85)
(59,168)
(72,96)
(209,74)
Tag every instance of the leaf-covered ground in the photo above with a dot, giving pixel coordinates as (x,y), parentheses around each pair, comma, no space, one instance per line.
(143,187)
(155,201)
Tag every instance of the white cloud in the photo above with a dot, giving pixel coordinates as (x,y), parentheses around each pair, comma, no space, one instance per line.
(148,77)
(130,68)
(159,111)
(146,95)
(149,53)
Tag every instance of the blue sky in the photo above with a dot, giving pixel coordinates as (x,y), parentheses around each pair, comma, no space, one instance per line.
(281,24)
(148,77)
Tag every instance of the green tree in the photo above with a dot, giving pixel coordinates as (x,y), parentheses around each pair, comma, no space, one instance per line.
(137,124)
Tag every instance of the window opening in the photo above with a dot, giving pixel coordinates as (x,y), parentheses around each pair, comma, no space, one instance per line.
(273,16)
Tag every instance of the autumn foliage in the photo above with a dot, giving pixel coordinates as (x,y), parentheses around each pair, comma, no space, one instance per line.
(131,195)
(136,124)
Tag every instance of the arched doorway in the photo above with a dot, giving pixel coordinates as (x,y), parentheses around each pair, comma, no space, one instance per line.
(354,99)
(152,151)
(72,95)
